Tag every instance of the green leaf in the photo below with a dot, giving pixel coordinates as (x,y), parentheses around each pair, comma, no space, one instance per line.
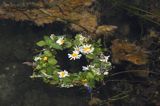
(99,50)
(53,82)
(52,61)
(99,41)
(48,53)
(56,46)
(90,56)
(89,76)
(48,40)
(41,43)
(91,83)
(68,44)
(49,71)
(67,80)
(44,65)
(55,77)
(98,78)
(77,36)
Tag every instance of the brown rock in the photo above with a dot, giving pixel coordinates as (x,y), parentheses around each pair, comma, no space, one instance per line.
(105,29)
(69,11)
(125,51)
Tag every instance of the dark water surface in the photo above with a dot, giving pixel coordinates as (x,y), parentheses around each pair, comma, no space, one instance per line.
(17,45)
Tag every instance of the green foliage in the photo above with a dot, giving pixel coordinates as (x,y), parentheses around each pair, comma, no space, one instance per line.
(47,65)
(52,61)
(41,43)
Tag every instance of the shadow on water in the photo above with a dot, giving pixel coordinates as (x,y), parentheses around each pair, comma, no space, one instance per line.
(17,44)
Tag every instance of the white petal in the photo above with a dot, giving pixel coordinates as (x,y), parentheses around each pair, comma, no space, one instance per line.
(52,36)
(85,68)
(106,73)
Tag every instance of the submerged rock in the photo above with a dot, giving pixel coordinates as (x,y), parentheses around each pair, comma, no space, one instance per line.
(126,51)
(45,12)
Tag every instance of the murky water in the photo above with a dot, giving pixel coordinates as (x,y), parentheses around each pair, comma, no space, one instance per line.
(17,44)
(133,46)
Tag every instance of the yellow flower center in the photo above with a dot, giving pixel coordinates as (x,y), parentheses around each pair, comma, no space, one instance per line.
(86,49)
(84,81)
(74,54)
(62,41)
(62,74)
(45,58)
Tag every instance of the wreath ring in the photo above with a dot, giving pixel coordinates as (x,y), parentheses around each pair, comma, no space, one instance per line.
(48,69)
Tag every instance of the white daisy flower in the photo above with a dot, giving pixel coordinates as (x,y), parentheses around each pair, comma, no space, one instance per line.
(81,37)
(77,48)
(35,76)
(63,74)
(85,68)
(97,71)
(60,41)
(66,86)
(70,85)
(52,36)
(86,84)
(106,73)
(104,59)
(37,58)
(92,66)
(86,49)
(74,55)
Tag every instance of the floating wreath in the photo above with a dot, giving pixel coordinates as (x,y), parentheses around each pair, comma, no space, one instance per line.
(46,63)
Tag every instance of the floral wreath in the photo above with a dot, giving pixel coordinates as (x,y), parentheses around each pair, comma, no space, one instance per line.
(47,68)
